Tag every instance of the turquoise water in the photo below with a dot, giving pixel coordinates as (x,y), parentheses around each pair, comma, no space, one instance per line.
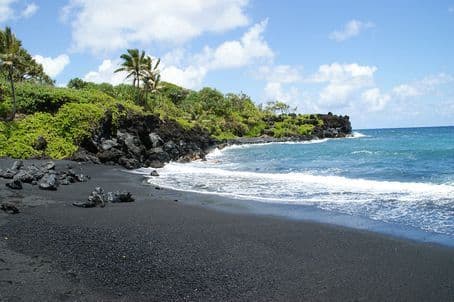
(399,176)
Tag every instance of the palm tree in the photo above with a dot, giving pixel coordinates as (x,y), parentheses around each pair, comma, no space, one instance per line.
(9,59)
(134,63)
(151,76)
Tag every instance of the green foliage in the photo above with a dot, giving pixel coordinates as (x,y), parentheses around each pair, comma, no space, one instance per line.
(175,93)
(76,121)
(278,107)
(294,125)
(227,116)
(23,134)
(125,92)
(225,136)
(63,116)
(141,68)
(77,83)
(256,130)
(42,98)
(5,105)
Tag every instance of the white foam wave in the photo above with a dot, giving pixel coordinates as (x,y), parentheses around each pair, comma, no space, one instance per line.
(308,182)
(356,134)
(219,152)
(363,152)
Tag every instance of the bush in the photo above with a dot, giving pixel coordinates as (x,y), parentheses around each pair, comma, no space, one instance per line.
(5,109)
(41,98)
(174,93)
(23,134)
(77,121)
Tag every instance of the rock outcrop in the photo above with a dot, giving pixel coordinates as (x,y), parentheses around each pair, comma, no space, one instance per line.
(9,207)
(99,198)
(144,140)
(45,176)
(334,126)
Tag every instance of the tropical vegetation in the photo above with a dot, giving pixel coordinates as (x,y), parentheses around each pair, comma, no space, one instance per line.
(31,107)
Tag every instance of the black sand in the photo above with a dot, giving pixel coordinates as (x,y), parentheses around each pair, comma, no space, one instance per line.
(157,249)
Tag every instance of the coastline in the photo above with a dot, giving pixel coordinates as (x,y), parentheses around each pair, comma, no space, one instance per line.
(308,213)
(157,248)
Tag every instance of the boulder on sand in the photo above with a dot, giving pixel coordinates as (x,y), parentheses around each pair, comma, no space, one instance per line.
(98,198)
(95,199)
(17,165)
(50,165)
(119,197)
(15,184)
(8,173)
(49,182)
(9,207)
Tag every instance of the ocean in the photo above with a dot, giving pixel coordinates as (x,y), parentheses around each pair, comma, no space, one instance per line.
(395,178)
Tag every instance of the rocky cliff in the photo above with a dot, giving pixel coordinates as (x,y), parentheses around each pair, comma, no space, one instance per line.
(144,140)
(334,126)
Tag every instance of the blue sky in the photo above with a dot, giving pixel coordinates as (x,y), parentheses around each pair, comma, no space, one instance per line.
(384,63)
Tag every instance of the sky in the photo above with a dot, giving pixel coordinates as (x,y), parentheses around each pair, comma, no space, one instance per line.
(383,63)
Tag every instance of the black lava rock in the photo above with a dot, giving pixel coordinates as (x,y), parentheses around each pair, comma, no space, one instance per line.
(16,184)
(49,182)
(119,197)
(9,207)
(98,198)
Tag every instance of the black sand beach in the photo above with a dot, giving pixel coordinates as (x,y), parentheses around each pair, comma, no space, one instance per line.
(159,249)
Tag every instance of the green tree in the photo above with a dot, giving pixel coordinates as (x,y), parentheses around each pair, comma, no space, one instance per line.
(30,70)
(277,107)
(9,59)
(77,83)
(151,76)
(18,65)
(134,64)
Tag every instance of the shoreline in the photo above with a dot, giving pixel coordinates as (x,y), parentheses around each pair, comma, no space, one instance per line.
(161,249)
(308,213)
(270,140)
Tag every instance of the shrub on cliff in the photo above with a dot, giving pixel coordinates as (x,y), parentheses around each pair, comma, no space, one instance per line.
(62,131)
(23,134)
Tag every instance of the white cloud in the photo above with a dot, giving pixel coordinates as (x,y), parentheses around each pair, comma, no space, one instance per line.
(406,90)
(29,10)
(6,11)
(239,53)
(342,81)
(249,49)
(189,70)
(422,87)
(279,74)
(451,9)
(375,100)
(337,72)
(105,25)
(189,77)
(105,73)
(53,66)
(274,91)
(351,29)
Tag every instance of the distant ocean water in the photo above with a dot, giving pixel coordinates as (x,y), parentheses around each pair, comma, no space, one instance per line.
(399,176)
